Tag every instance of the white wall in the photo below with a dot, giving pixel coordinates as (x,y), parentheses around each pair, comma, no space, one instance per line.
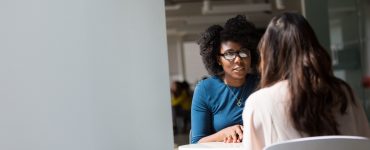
(175,57)
(84,75)
(194,67)
(185,61)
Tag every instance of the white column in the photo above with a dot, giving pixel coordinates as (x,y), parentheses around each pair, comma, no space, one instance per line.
(84,75)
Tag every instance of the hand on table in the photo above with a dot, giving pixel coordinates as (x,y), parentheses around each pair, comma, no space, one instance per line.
(233,134)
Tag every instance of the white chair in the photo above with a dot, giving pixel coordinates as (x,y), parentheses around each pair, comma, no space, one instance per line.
(323,143)
(190,135)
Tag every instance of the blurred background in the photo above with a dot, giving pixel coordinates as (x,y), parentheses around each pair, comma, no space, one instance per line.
(343,27)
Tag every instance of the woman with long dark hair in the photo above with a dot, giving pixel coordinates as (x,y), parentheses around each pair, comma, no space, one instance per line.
(299,95)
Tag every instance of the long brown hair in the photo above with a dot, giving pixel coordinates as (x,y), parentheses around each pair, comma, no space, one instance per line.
(290,51)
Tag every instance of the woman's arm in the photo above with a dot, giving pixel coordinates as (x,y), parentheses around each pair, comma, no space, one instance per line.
(232,134)
(253,131)
(201,122)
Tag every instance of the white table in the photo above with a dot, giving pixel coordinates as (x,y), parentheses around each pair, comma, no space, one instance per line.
(213,146)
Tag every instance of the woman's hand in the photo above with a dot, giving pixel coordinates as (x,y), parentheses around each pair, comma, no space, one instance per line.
(232,134)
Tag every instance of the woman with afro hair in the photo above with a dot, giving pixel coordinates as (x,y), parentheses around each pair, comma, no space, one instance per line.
(230,57)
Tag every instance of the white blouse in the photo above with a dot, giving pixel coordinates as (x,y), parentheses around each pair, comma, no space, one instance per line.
(266,118)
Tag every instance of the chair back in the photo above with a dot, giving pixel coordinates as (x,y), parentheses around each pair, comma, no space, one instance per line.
(190,136)
(323,143)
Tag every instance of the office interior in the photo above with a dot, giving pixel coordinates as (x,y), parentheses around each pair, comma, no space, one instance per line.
(342,26)
(95,74)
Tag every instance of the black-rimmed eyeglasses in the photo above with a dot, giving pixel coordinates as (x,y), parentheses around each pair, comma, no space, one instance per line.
(231,55)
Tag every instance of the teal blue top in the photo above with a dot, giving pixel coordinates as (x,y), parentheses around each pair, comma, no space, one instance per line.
(215,105)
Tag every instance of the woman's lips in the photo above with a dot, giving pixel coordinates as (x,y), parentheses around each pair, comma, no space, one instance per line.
(238,68)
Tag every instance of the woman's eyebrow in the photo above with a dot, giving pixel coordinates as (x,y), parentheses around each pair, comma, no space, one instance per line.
(230,50)
(234,50)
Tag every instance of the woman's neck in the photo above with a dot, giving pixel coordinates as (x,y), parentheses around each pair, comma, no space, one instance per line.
(233,82)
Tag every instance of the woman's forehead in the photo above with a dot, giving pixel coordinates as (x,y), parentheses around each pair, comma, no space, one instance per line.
(230,45)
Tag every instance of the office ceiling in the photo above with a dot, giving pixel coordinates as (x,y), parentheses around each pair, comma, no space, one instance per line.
(191,17)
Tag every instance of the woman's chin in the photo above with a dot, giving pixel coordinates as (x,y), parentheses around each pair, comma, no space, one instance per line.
(239,76)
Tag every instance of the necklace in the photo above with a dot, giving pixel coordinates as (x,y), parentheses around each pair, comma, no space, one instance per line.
(238,100)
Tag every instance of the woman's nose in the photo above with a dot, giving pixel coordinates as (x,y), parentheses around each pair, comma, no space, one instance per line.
(237,59)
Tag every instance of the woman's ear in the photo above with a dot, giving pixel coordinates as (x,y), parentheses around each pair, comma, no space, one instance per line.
(219,61)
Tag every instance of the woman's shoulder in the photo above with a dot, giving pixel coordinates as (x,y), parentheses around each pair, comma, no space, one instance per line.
(268,101)
(205,89)
(277,91)
(210,81)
